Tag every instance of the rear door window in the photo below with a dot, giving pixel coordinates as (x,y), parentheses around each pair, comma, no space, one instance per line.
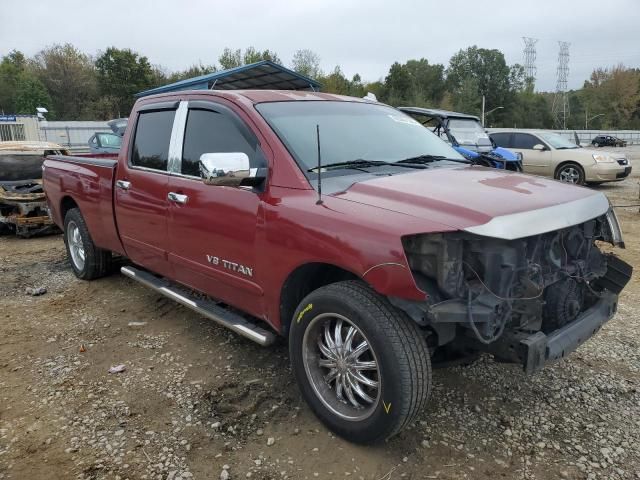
(525,141)
(151,142)
(212,132)
(502,139)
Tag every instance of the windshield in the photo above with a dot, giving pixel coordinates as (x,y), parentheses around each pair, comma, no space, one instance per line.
(350,131)
(468,131)
(110,140)
(557,141)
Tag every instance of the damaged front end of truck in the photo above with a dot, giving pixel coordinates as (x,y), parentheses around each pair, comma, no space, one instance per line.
(529,300)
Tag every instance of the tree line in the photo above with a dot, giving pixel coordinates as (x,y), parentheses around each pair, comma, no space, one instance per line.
(73,85)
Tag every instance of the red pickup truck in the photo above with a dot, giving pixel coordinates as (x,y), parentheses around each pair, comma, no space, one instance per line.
(346,227)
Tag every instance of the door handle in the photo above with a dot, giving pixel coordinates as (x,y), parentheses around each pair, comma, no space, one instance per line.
(123,184)
(177,198)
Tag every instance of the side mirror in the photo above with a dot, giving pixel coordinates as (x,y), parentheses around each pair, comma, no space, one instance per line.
(539,147)
(229,169)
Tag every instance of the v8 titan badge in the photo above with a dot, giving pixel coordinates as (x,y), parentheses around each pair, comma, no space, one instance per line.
(233,266)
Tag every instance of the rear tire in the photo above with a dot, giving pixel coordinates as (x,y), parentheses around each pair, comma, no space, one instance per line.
(362,365)
(87,261)
(570,173)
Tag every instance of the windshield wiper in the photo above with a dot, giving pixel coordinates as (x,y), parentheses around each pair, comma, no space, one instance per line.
(359,164)
(423,159)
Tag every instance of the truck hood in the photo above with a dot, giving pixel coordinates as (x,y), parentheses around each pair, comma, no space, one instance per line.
(484,201)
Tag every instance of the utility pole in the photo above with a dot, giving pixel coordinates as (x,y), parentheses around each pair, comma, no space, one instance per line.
(560,109)
(587,119)
(485,115)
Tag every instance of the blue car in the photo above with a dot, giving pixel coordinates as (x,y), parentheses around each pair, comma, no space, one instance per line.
(466,135)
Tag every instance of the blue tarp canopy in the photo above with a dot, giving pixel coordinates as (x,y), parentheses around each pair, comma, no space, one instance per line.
(260,75)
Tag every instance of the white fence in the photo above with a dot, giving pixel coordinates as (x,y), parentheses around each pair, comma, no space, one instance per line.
(73,135)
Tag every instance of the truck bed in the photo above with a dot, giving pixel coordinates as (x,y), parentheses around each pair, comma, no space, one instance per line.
(85,182)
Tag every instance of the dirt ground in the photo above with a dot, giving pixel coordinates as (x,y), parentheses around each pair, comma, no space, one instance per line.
(196,401)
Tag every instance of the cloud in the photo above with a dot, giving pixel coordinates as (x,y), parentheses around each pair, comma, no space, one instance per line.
(362,37)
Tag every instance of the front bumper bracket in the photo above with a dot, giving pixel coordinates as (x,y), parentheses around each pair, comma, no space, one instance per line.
(535,350)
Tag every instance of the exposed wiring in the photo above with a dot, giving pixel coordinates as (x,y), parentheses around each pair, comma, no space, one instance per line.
(482,339)
(508,299)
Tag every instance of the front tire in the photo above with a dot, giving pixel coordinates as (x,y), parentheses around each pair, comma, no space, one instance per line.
(87,261)
(570,173)
(362,366)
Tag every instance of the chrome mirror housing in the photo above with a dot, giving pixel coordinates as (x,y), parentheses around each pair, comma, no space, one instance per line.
(225,169)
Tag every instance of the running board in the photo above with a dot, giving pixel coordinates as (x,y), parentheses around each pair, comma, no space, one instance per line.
(207,308)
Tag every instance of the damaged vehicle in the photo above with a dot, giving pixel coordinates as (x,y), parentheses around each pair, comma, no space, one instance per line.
(349,229)
(467,136)
(23,207)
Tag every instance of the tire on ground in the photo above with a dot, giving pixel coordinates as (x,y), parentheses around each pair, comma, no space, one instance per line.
(97,262)
(577,167)
(400,349)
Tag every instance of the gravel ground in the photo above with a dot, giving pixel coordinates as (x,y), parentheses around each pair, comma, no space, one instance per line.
(196,401)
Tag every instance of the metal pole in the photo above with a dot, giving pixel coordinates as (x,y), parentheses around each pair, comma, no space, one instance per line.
(483,110)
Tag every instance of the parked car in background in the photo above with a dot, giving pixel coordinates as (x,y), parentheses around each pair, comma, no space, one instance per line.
(348,228)
(106,142)
(608,141)
(466,135)
(23,207)
(551,155)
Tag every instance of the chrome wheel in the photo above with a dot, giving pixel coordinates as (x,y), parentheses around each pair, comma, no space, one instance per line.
(569,175)
(76,247)
(341,366)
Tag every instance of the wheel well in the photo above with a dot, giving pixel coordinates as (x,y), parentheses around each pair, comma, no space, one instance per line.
(67,204)
(302,281)
(567,162)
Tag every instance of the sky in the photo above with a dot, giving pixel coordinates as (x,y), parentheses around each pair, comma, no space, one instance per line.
(363,37)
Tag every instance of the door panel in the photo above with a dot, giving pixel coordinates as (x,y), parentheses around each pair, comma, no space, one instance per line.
(212,241)
(212,235)
(141,192)
(141,214)
(536,162)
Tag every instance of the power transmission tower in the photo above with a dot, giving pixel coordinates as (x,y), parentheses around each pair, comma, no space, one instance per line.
(530,59)
(560,109)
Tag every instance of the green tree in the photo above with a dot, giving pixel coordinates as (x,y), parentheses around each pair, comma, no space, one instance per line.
(70,78)
(12,68)
(121,74)
(230,58)
(251,55)
(336,82)
(235,58)
(466,97)
(30,94)
(415,83)
(488,71)
(306,62)
(195,70)
(397,85)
